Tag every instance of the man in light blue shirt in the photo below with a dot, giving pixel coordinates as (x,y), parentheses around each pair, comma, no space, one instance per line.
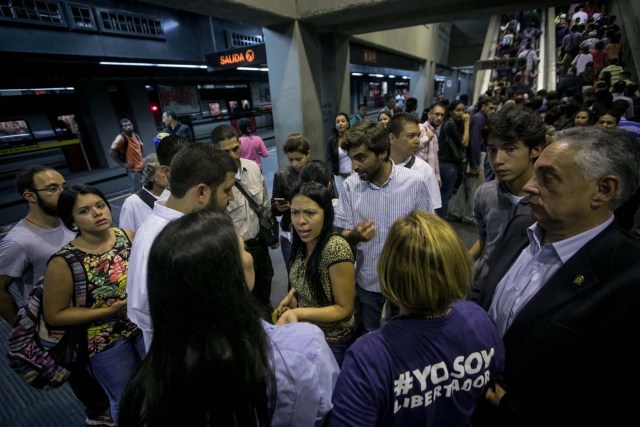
(370,201)
(564,294)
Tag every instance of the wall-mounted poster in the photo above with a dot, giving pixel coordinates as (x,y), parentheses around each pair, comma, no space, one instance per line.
(181,99)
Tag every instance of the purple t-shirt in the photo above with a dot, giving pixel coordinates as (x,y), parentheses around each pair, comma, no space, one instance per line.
(419,372)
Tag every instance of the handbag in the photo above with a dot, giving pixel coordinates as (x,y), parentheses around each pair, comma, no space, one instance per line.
(268,233)
(41,353)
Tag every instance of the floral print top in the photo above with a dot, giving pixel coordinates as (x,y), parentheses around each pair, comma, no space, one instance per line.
(336,250)
(106,276)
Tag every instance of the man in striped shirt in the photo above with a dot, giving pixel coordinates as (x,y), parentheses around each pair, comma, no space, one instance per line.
(370,201)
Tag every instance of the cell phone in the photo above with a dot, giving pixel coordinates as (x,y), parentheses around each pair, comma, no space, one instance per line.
(280,200)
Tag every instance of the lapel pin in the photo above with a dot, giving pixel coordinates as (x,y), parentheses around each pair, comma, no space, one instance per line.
(579,280)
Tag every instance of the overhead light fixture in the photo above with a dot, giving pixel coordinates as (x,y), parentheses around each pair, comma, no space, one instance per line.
(252,69)
(356,74)
(38,89)
(149,64)
(406,77)
(391,76)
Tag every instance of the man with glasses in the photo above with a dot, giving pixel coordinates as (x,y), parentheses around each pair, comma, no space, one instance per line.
(244,218)
(25,250)
(24,253)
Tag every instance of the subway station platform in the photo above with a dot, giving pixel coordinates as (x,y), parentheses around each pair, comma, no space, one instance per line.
(24,406)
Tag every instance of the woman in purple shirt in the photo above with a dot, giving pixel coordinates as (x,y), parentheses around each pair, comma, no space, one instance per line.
(427,366)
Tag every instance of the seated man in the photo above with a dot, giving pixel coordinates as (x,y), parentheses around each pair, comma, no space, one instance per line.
(564,294)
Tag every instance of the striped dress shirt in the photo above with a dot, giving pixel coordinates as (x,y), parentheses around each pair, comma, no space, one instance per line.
(404,192)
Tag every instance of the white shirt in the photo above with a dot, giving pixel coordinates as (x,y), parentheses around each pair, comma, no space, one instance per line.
(245,220)
(134,210)
(137,298)
(432,181)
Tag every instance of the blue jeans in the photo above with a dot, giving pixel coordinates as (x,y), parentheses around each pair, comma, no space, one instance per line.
(448,175)
(134,181)
(285,247)
(340,347)
(114,367)
(370,305)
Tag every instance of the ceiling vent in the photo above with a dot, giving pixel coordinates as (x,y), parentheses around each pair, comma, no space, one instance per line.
(128,24)
(41,12)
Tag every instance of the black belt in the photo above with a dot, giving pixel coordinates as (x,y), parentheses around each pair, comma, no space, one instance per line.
(253,242)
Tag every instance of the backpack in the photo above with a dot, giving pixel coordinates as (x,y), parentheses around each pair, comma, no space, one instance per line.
(41,353)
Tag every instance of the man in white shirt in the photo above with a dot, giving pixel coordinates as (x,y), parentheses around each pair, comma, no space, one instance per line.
(404,140)
(200,177)
(138,206)
(245,219)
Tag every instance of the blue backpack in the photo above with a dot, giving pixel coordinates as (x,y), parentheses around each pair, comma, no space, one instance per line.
(41,353)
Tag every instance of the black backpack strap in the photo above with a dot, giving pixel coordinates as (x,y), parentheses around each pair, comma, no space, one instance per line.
(146,197)
(252,203)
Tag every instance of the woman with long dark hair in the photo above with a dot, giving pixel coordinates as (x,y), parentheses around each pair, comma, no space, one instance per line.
(337,157)
(114,344)
(212,360)
(321,273)
(298,151)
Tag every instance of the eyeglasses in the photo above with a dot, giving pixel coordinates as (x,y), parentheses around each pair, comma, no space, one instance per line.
(52,189)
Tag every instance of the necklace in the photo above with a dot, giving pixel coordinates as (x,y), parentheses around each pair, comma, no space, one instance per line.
(26,218)
(427,316)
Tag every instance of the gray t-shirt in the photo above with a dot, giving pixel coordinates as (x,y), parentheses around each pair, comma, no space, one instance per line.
(25,250)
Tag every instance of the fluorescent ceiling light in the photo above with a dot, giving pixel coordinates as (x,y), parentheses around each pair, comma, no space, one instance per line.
(251,69)
(36,89)
(356,74)
(148,64)
(391,76)
(406,77)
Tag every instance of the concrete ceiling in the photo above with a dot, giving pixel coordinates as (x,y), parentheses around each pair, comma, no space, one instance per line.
(352,16)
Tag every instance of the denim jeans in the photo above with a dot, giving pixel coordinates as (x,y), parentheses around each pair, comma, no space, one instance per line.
(340,347)
(134,181)
(448,175)
(370,305)
(285,247)
(114,367)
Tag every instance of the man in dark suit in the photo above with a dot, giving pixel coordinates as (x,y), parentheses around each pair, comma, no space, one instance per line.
(564,291)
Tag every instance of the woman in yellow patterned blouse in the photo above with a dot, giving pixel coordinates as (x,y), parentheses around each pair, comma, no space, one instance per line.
(322,274)
(114,344)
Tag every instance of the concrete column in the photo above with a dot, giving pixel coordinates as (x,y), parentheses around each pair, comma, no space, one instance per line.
(142,116)
(422,85)
(100,118)
(293,56)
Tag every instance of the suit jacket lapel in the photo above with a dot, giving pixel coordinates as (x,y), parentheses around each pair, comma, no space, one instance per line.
(575,277)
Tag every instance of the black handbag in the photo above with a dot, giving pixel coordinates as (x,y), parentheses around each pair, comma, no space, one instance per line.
(269,232)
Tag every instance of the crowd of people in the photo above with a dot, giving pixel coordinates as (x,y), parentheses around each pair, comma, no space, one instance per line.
(389,318)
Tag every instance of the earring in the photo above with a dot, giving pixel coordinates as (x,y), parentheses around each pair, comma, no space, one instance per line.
(74,228)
